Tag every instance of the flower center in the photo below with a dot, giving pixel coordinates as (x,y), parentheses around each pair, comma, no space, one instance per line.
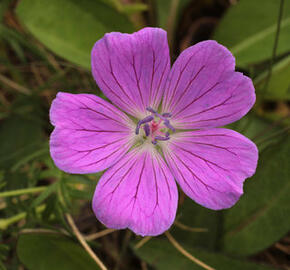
(156,126)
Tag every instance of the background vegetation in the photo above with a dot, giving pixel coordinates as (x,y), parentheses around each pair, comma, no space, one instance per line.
(45,47)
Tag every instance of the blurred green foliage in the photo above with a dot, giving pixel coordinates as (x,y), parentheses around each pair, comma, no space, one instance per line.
(248,29)
(70,28)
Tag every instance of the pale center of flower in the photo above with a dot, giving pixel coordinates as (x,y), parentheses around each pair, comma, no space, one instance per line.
(156,126)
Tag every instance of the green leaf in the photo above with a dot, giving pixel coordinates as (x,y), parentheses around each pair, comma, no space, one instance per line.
(261,217)
(52,251)
(248,29)
(71,27)
(163,256)
(279,83)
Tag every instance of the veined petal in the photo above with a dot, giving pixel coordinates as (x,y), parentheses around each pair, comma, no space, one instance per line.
(90,134)
(203,90)
(211,165)
(131,69)
(138,192)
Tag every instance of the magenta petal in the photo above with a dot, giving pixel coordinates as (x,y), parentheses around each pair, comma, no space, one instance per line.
(131,69)
(138,192)
(211,165)
(203,89)
(90,134)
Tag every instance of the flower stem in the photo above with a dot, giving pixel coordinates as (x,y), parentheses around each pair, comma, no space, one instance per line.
(170,27)
(188,228)
(142,242)
(18,192)
(97,235)
(275,46)
(185,253)
(83,242)
(4,223)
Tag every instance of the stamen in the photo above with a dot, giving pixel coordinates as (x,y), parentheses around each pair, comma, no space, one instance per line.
(147,130)
(156,127)
(166,115)
(167,124)
(160,138)
(143,121)
(149,109)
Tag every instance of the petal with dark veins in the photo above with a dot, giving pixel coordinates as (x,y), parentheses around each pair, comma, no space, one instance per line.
(203,89)
(131,69)
(138,193)
(90,134)
(211,165)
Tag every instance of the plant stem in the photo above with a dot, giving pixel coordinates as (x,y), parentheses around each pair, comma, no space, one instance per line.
(275,46)
(98,234)
(18,192)
(83,242)
(188,228)
(4,223)
(142,242)
(185,253)
(170,25)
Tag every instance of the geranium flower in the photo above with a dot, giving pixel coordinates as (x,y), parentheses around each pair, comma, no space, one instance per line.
(162,126)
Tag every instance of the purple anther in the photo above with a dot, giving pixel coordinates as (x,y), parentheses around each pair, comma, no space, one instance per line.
(160,116)
(149,109)
(147,129)
(143,121)
(160,138)
(167,124)
(166,114)
(167,134)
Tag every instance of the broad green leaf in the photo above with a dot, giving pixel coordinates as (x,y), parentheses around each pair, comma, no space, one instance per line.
(279,83)
(261,217)
(163,256)
(52,251)
(193,215)
(71,27)
(248,29)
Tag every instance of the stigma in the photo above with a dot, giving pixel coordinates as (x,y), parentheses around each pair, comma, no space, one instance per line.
(156,126)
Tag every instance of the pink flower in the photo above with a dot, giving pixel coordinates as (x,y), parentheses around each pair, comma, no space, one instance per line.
(169,132)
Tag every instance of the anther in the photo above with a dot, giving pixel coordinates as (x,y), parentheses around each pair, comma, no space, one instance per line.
(167,124)
(143,121)
(166,114)
(160,138)
(147,130)
(149,109)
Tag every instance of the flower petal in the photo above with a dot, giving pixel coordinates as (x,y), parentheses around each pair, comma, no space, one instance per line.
(131,69)
(90,134)
(211,165)
(203,90)
(138,192)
